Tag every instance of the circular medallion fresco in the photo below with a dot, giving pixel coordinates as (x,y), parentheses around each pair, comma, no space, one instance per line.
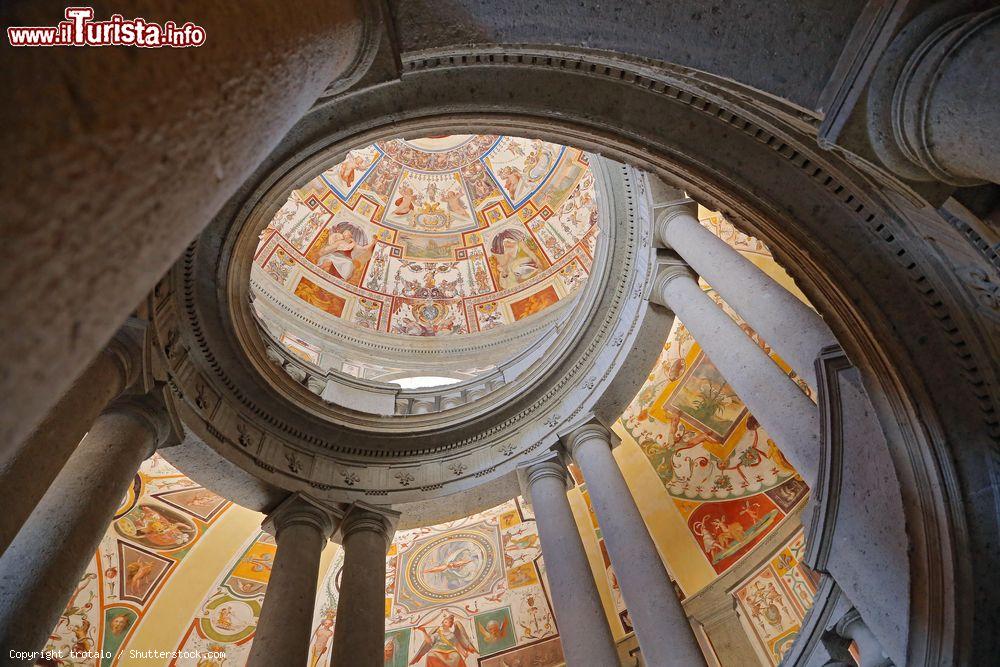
(451,566)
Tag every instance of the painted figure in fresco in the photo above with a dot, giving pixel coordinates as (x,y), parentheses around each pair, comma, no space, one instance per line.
(513,260)
(479,183)
(750,457)
(454,565)
(351,164)
(203,500)
(158,530)
(320,641)
(345,252)
(389,650)
(138,575)
(778,458)
(82,641)
(495,630)
(455,202)
(447,646)
(407,200)
(511,180)
(119,624)
(225,619)
(514,148)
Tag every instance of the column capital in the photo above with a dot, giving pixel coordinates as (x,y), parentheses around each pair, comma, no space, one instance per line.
(550,466)
(592,430)
(683,208)
(362,516)
(916,123)
(150,410)
(126,349)
(669,267)
(299,508)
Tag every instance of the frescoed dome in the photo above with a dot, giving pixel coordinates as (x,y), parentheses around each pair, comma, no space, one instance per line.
(439,236)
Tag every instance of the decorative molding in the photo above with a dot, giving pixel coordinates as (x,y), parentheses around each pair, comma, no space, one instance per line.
(302,509)
(868,40)
(609,334)
(361,516)
(584,433)
(825,499)
(151,411)
(669,266)
(684,208)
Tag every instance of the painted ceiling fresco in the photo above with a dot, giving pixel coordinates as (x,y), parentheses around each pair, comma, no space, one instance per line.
(182,569)
(464,594)
(227,618)
(478,582)
(162,518)
(724,474)
(773,601)
(437,236)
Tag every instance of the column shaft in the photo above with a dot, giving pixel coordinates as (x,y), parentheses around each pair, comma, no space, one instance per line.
(771,396)
(46,560)
(583,625)
(26,476)
(199,123)
(359,635)
(285,623)
(664,633)
(795,331)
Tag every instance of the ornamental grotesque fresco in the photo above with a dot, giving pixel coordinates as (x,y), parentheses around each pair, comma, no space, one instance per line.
(724,473)
(434,236)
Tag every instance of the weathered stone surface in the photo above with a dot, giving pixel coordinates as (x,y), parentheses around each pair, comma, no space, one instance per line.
(117,157)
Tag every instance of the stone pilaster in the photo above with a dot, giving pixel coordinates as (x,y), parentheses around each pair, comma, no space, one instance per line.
(301,527)
(772,397)
(577,604)
(664,633)
(795,331)
(359,635)
(49,555)
(32,467)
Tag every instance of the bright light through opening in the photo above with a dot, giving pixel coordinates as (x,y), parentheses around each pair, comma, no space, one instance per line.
(423,381)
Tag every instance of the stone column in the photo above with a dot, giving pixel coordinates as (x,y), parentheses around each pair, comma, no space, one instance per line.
(583,624)
(664,633)
(46,560)
(932,103)
(359,636)
(772,397)
(795,331)
(853,628)
(25,477)
(179,131)
(301,527)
